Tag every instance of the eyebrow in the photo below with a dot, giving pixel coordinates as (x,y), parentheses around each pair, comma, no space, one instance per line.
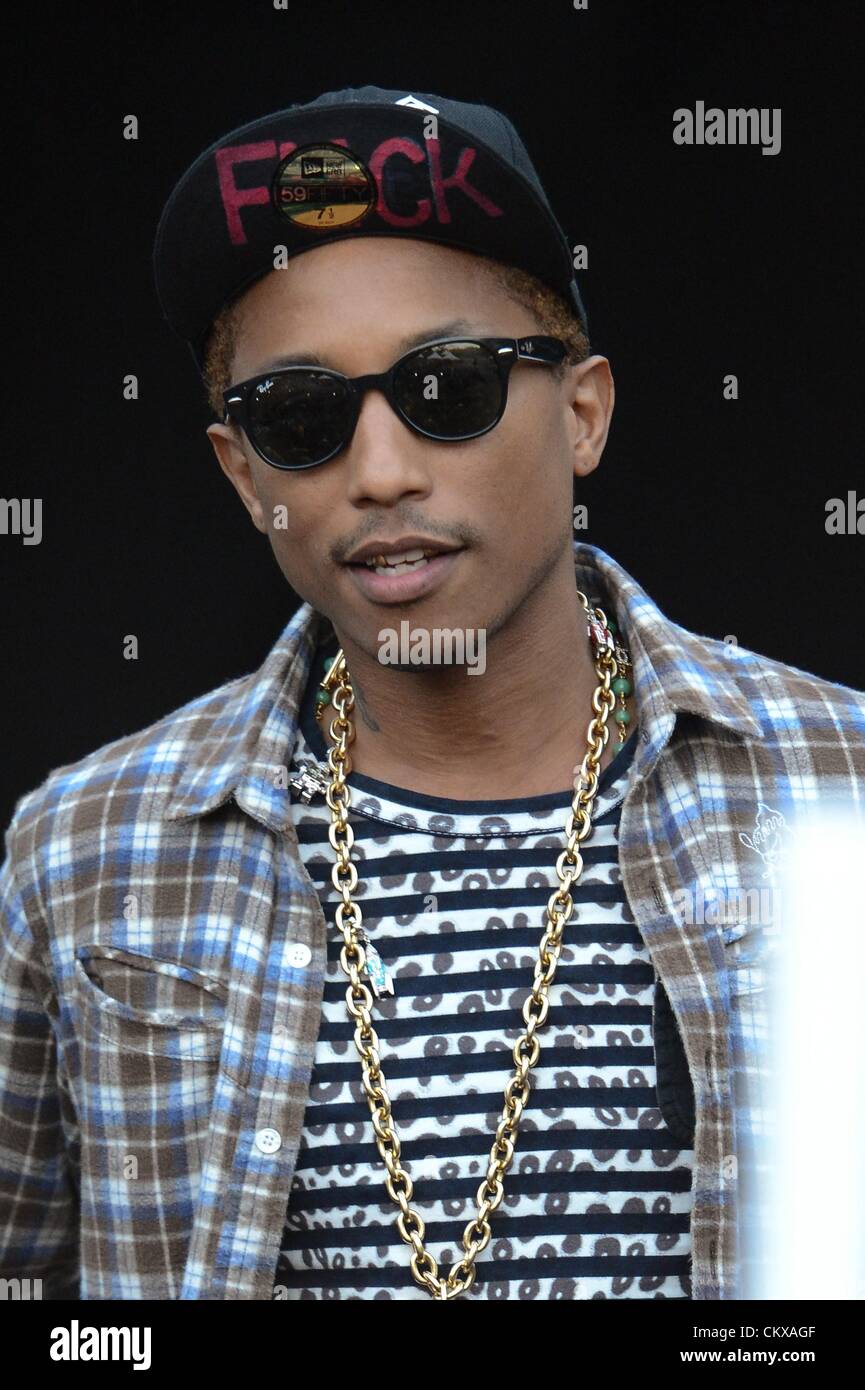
(310,359)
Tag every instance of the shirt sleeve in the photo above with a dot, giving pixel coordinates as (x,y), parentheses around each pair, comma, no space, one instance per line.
(38,1160)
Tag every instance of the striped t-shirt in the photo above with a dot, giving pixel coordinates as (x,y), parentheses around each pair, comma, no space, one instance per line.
(453,894)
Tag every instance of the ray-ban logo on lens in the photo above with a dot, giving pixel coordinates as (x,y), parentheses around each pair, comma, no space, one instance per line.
(735,126)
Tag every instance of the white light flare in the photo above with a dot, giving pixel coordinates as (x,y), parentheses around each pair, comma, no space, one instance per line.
(815,1193)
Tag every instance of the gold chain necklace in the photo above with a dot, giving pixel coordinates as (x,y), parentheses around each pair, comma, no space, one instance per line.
(611,659)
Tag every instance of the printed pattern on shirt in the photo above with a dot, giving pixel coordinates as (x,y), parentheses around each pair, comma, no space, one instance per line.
(453,894)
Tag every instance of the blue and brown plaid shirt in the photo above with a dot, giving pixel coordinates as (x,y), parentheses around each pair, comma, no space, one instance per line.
(158,1022)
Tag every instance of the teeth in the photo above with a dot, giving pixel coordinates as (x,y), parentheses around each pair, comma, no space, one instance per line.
(407,558)
(402,558)
(400,569)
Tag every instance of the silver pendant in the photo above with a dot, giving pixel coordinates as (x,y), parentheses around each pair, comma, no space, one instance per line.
(312,780)
(375,969)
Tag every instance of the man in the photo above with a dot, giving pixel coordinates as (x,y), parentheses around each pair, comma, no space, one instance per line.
(375,973)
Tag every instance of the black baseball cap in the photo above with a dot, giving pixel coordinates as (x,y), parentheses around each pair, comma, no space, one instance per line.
(358,162)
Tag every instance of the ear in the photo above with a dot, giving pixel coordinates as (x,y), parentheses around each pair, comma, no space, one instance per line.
(229,447)
(590,397)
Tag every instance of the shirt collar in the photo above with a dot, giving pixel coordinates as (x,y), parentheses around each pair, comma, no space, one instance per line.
(244,749)
(675,671)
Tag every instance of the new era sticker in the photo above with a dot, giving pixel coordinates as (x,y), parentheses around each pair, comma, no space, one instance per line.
(322,187)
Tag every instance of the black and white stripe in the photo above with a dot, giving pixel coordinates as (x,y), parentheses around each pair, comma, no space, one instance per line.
(453,893)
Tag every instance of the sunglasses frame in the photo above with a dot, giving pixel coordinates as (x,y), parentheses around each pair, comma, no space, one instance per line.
(542,349)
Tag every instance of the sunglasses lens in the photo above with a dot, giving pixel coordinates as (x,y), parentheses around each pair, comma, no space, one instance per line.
(298,418)
(453,391)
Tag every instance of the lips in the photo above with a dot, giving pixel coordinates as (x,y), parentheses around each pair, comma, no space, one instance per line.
(400,560)
(400,545)
(405,586)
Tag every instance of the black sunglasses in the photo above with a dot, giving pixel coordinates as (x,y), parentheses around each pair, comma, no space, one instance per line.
(449,390)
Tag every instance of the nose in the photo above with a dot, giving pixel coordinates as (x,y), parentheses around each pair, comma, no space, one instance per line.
(385,459)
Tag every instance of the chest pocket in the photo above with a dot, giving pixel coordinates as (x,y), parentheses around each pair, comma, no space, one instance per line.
(149,1005)
(672,1074)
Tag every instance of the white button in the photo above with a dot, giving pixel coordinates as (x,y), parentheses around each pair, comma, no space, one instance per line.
(298,954)
(268,1140)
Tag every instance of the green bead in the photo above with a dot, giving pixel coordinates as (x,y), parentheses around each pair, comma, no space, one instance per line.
(328,662)
(322,697)
(622,716)
(612,625)
(621,686)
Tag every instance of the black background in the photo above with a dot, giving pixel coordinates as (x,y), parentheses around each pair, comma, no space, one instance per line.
(702,261)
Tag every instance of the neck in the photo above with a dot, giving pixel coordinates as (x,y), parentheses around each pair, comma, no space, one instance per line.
(519,729)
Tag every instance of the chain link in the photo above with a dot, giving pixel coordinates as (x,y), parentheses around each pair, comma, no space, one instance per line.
(560,907)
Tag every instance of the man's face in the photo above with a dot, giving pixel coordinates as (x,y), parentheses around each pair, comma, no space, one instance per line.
(505,498)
